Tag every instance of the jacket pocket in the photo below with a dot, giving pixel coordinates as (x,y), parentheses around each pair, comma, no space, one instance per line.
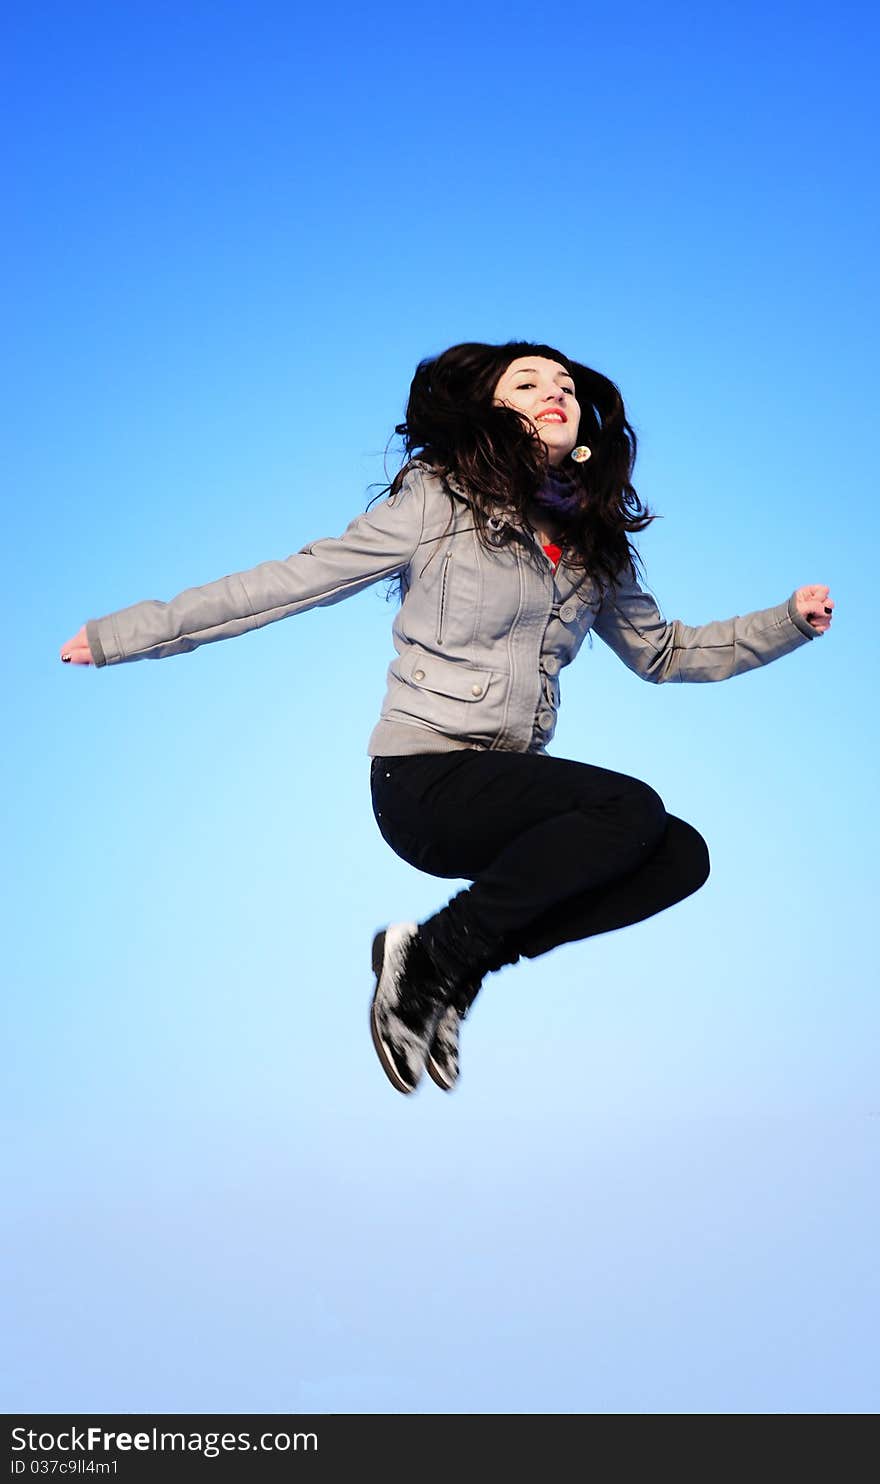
(442,677)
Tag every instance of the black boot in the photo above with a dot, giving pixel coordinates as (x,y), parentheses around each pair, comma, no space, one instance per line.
(443,1061)
(411,995)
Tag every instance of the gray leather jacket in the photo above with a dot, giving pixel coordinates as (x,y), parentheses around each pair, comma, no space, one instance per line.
(481,635)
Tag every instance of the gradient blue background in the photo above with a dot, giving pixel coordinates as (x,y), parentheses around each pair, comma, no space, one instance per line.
(232,233)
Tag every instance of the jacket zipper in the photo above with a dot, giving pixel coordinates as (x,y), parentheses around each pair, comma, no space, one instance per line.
(444,586)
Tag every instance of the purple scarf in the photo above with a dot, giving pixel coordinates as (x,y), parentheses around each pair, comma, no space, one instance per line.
(560,496)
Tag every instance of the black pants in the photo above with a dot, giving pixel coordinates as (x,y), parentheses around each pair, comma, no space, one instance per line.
(556,850)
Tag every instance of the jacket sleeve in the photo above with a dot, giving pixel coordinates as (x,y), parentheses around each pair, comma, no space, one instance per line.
(378,544)
(630,622)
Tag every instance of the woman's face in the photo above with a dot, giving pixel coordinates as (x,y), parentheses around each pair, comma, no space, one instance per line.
(544,391)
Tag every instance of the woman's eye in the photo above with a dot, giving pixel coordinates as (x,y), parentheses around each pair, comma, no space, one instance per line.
(523,386)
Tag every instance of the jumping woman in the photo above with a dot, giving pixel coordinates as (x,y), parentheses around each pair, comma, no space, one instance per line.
(507,531)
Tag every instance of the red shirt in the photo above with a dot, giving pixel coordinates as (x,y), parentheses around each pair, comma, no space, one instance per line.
(554,552)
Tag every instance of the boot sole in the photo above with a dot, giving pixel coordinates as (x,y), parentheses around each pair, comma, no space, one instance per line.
(437,1077)
(388,1067)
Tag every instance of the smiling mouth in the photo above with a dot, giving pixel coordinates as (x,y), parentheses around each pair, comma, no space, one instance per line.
(551,417)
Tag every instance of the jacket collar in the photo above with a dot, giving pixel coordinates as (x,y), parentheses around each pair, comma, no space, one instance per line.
(508,516)
(505,515)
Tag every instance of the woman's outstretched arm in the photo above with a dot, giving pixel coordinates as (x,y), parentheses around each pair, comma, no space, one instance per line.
(631,624)
(377,544)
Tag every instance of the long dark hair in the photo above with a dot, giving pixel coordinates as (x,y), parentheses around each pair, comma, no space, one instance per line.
(499,458)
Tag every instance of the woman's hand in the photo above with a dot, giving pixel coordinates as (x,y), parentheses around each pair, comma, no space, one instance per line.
(76,651)
(814,604)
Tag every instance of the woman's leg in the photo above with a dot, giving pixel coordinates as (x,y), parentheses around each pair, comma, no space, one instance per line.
(532,833)
(445,816)
(678,867)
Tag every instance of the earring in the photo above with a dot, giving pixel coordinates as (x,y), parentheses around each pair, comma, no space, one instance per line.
(581,453)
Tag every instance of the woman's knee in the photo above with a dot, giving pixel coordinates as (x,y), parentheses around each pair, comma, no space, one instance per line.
(692,853)
(647,812)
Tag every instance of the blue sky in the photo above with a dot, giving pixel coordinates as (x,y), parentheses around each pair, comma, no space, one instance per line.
(234,233)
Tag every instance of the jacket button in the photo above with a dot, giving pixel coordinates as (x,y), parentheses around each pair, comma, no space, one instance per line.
(418,674)
(567,612)
(476,690)
(551,664)
(545,720)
